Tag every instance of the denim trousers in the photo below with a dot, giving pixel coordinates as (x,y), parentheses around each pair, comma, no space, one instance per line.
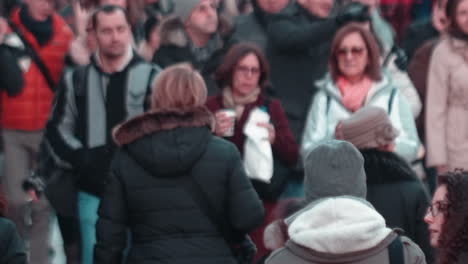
(88,205)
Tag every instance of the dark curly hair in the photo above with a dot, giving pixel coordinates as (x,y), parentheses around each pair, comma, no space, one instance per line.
(454,235)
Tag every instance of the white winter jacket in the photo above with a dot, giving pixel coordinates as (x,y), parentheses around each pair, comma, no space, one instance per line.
(326,111)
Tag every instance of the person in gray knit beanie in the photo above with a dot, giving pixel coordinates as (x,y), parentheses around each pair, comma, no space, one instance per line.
(183,8)
(334,168)
(369,127)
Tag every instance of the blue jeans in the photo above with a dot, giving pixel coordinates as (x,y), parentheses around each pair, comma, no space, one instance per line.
(87,212)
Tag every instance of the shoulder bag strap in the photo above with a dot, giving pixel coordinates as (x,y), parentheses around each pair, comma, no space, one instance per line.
(395,251)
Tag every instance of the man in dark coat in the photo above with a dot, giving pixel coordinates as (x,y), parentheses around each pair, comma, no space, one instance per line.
(92,100)
(196,34)
(423,30)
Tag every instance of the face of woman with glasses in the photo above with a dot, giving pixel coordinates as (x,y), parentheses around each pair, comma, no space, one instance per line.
(435,215)
(246,75)
(352,56)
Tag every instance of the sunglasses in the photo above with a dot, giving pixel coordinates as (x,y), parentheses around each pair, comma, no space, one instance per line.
(354,51)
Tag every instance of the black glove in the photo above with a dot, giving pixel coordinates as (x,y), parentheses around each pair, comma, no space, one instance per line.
(245,250)
(92,166)
(353,12)
(35,183)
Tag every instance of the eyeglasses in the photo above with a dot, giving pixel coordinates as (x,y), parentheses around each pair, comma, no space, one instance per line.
(354,51)
(436,208)
(246,70)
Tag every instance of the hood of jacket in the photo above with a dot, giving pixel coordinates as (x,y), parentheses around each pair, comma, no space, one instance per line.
(383,167)
(166,143)
(328,86)
(339,226)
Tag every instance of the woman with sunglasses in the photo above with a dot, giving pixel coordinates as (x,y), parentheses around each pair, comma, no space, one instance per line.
(242,78)
(356,80)
(447,218)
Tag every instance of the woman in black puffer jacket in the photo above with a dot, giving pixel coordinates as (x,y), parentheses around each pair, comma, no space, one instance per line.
(149,189)
(392,186)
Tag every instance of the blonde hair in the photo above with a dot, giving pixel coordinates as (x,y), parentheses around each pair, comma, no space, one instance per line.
(179,87)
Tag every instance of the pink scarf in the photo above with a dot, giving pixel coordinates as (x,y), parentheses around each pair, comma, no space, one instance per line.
(353,94)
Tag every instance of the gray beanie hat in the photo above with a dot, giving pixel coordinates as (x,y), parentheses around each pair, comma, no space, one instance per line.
(183,8)
(369,127)
(334,168)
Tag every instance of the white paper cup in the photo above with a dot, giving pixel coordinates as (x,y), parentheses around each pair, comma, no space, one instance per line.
(231,114)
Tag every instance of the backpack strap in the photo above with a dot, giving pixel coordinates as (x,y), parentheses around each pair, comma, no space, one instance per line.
(390,101)
(395,251)
(79,80)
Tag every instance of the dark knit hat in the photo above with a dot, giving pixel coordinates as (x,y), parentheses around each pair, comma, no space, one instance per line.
(369,127)
(334,168)
(183,8)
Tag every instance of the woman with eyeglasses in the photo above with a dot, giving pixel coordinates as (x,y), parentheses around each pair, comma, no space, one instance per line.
(242,78)
(356,80)
(447,218)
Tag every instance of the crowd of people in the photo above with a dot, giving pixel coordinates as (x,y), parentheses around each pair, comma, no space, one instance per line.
(230,131)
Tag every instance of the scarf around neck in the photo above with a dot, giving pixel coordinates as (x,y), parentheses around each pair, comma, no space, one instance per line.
(238,103)
(41,30)
(353,95)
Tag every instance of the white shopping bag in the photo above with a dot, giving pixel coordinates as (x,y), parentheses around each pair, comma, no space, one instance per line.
(258,156)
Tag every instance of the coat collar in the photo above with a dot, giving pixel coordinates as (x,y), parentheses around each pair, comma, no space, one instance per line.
(159,120)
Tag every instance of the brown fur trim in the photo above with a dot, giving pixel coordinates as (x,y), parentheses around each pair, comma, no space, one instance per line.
(159,120)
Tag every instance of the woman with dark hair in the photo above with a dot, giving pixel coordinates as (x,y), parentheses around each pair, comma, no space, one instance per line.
(243,78)
(357,80)
(168,175)
(12,249)
(447,94)
(447,218)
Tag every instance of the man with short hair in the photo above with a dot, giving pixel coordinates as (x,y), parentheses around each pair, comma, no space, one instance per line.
(36,41)
(92,100)
(195,34)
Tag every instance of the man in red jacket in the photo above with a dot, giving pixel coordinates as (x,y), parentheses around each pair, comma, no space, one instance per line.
(23,115)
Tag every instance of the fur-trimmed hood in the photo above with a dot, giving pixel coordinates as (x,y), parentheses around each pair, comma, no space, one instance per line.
(166,142)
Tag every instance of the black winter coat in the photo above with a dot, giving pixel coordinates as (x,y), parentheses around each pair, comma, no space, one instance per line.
(12,249)
(145,193)
(398,195)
